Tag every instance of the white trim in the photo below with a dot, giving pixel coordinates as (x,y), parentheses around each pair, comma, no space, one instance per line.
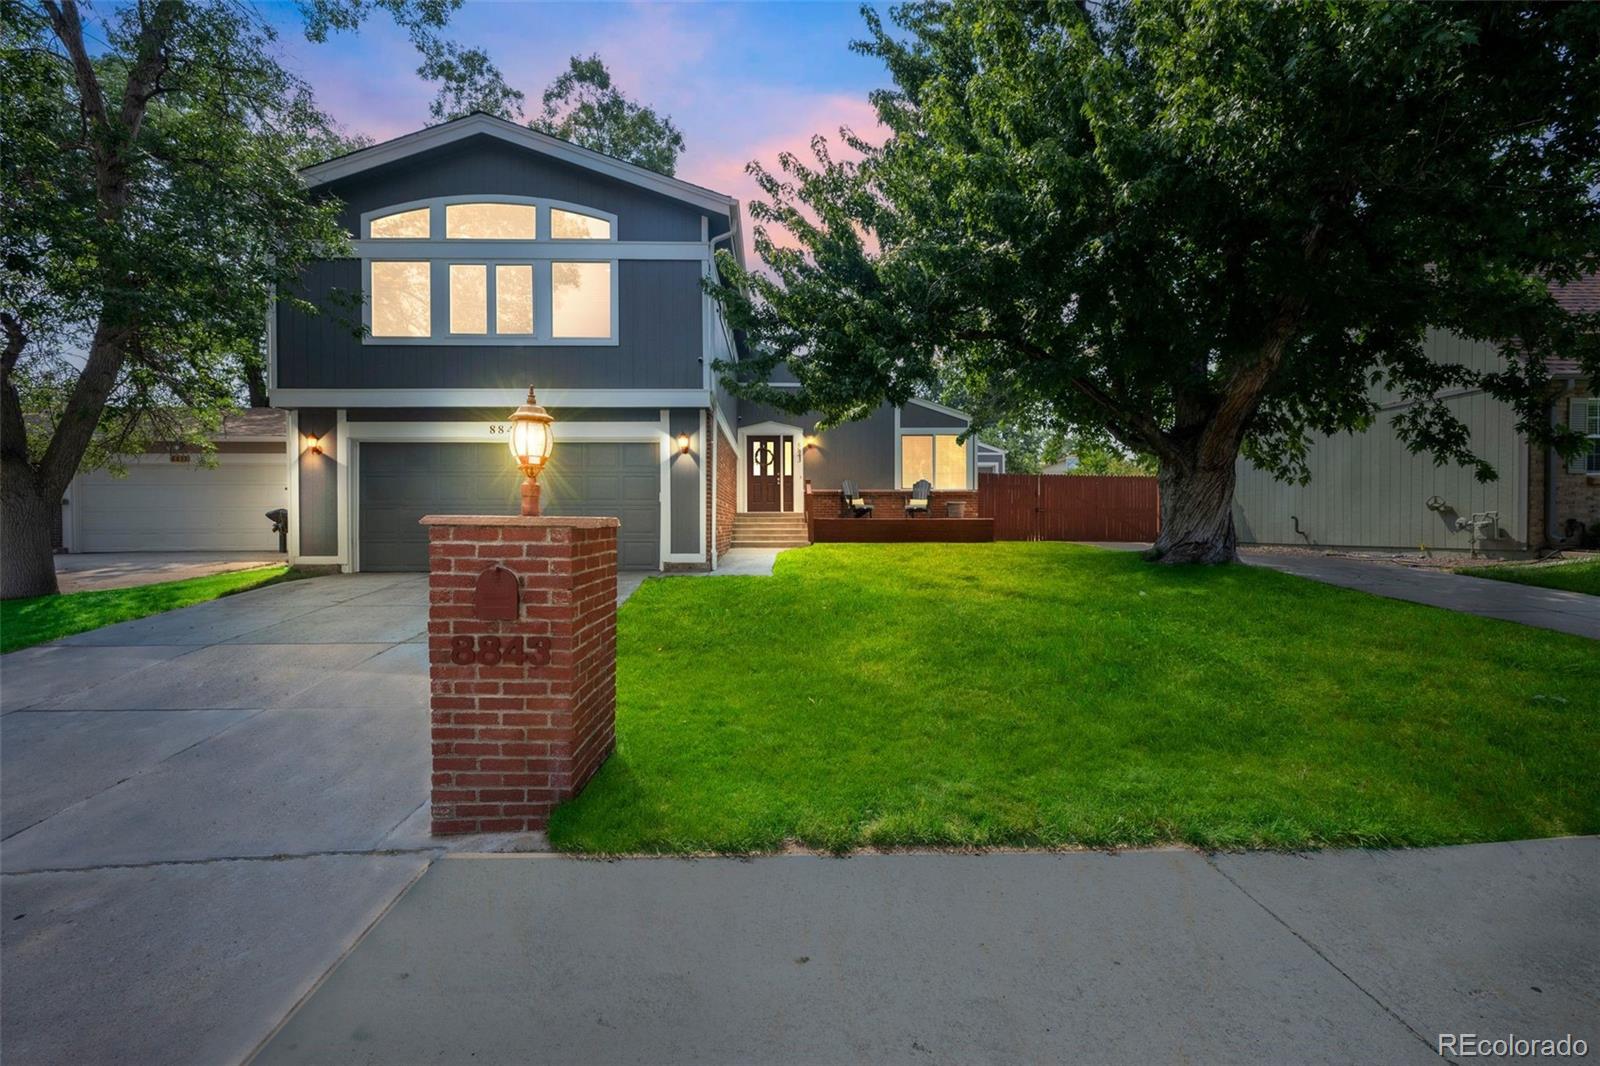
(508,398)
(991,447)
(941,408)
(468,432)
(664,495)
(525,251)
(713,445)
(478,124)
(772,429)
(341,491)
(706,503)
(291,425)
(272,342)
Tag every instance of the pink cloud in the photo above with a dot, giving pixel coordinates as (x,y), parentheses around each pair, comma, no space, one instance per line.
(789,124)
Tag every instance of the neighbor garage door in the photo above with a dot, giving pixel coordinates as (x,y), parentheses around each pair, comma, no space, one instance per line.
(402,482)
(166,506)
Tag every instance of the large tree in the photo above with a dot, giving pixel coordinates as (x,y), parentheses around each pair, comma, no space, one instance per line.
(149,203)
(1207,228)
(583,105)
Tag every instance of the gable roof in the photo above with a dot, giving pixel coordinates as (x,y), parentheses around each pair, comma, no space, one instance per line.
(479,124)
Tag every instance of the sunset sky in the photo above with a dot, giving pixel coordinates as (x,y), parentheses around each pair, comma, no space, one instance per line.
(742,81)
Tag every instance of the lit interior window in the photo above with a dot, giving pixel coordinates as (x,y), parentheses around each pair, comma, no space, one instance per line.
(402,225)
(513,298)
(949,463)
(490,222)
(400,300)
(916,461)
(469,298)
(571,226)
(580,300)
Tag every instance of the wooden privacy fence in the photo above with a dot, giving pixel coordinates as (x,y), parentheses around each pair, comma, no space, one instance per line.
(1069,507)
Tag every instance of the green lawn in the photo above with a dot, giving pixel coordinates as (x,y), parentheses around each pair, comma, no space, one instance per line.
(1048,694)
(24,623)
(1574,577)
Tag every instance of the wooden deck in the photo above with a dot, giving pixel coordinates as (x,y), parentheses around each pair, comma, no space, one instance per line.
(902,530)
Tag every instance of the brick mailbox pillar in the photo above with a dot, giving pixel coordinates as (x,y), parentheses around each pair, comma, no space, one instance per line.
(522,663)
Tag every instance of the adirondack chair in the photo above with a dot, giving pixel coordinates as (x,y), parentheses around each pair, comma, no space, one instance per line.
(919,501)
(852,501)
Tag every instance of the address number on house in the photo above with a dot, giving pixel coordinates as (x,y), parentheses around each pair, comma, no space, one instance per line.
(498,651)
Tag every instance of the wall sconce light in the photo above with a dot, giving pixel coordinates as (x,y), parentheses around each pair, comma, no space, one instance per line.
(313,444)
(683,444)
(811,442)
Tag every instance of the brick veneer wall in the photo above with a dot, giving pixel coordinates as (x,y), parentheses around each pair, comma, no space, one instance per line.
(510,742)
(727,496)
(1577,495)
(889,503)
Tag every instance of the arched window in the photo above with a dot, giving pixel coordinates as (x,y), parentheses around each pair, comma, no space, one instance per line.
(489,270)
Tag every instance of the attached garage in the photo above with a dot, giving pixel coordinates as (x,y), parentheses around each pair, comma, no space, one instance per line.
(401,482)
(168,505)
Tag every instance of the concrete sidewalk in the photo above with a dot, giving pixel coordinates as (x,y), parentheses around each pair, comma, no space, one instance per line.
(1566,612)
(1156,956)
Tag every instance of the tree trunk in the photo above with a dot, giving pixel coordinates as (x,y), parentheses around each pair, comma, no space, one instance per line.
(1196,514)
(27,565)
(255,381)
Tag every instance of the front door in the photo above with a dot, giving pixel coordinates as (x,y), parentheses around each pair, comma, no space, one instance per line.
(764,478)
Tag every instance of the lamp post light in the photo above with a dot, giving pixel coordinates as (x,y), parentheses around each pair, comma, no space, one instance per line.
(531,439)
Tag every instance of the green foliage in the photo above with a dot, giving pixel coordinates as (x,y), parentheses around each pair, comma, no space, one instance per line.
(583,106)
(469,81)
(1050,694)
(1198,226)
(1570,576)
(26,622)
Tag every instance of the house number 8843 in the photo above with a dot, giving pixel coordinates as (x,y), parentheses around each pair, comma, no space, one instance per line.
(497,651)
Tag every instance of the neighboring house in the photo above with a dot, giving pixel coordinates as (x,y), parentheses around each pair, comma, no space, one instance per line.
(166,500)
(991,460)
(1065,466)
(1368,490)
(491,257)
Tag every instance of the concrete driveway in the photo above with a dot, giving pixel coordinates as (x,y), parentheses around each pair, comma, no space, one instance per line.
(201,811)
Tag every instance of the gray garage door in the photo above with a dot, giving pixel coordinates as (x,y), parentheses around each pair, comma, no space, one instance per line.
(402,482)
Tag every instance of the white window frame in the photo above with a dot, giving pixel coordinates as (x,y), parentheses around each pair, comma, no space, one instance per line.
(442,252)
(901,433)
(1580,410)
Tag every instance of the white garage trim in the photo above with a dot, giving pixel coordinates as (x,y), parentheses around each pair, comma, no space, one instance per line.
(483,433)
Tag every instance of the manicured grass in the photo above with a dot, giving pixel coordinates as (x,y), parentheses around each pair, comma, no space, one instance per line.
(1049,694)
(1574,577)
(24,623)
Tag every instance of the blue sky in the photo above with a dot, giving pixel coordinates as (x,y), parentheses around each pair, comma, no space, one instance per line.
(741,80)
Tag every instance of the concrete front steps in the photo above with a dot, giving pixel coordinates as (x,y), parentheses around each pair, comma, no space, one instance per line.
(755,529)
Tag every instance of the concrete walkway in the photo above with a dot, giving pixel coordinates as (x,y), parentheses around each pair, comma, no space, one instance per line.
(121,570)
(1567,612)
(1160,956)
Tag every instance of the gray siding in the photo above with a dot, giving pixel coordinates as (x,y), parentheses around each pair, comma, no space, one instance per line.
(319,493)
(860,451)
(659,339)
(915,416)
(1368,490)
(687,505)
(488,165)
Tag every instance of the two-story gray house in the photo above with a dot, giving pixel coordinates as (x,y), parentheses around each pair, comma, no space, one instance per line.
(490,257)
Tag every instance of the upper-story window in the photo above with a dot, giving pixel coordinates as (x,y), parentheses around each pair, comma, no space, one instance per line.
(489,270)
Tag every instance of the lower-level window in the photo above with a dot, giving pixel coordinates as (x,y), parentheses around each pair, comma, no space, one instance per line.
(937,458)
(1585,418)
